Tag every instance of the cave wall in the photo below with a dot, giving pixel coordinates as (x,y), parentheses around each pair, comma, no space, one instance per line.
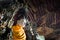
(45,13)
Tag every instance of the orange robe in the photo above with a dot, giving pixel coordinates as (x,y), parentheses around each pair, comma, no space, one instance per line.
(18,33)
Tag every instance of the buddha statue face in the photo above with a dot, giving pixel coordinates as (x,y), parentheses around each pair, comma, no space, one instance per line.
(21,22)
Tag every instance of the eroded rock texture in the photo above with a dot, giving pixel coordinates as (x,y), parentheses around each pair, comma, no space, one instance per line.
(45,13)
